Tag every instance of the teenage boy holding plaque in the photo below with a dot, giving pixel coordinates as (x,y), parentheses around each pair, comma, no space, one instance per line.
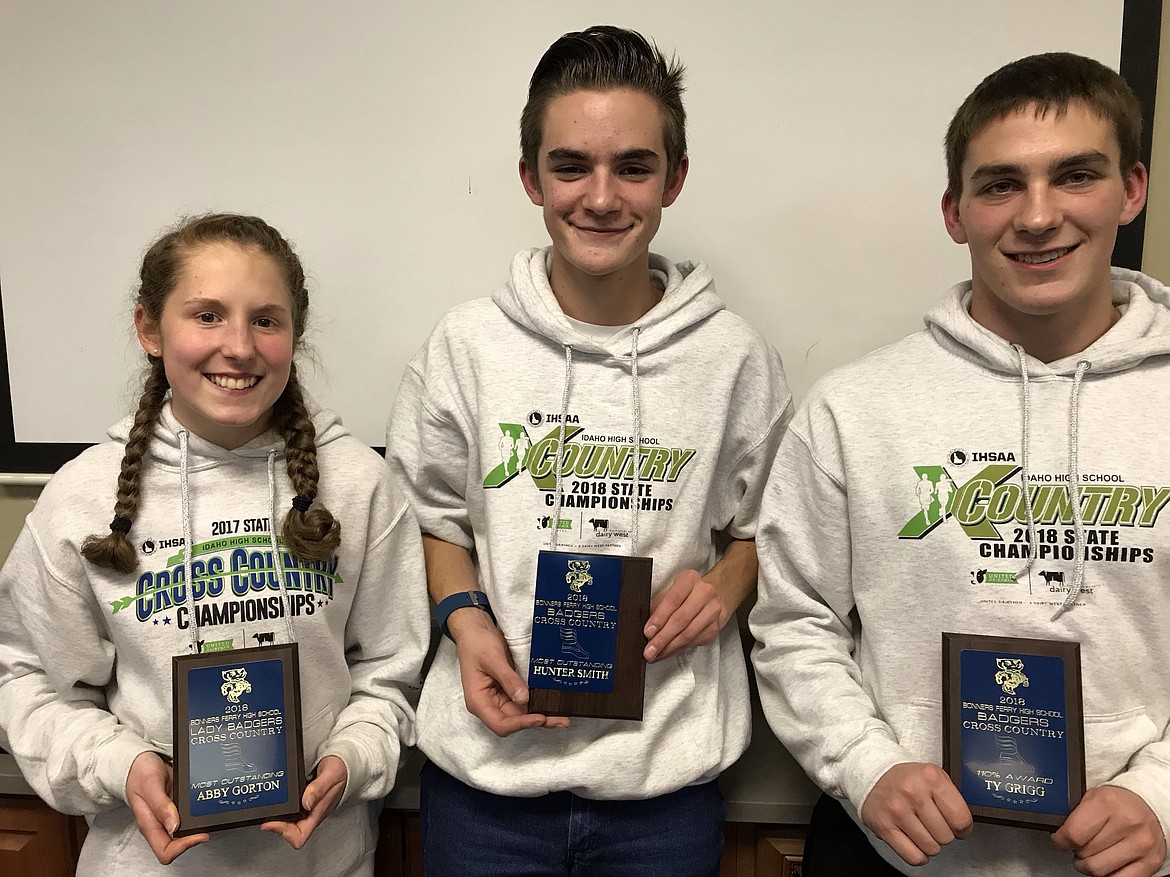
(602,402)
(1046,376)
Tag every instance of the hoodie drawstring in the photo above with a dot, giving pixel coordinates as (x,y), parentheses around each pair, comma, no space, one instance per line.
(637,500)
(556,518)
(189,543)
(1074,476)
(1026,412)
(1074,491)
(277,559)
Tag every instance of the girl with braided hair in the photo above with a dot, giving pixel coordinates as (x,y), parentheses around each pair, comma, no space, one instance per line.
(294,531)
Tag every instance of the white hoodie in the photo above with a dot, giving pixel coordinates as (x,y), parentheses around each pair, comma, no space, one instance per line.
(860,574)
(85,659)
(473,439)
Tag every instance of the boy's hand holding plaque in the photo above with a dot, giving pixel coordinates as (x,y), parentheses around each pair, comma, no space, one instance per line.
(1013,727)
(587,638)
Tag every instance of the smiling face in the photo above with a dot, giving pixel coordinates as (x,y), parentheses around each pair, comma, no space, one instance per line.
(602,182)
(226,340)
(1041,202)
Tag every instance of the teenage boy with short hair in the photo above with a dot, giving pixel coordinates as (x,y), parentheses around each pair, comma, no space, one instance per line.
(656,393)
(1047,376)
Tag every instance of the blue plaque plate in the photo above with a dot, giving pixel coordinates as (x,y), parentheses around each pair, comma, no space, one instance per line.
(587,620)
(1013,727)
(237,738)
(575,621)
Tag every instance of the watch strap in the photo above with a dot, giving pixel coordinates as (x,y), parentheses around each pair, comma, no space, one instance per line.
(462,600)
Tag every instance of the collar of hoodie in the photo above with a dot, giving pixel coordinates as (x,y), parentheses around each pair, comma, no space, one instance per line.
(1143,331)
(202,454)
(688,297)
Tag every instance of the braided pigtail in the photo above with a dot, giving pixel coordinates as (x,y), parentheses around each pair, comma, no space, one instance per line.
(114,550)
(312,533)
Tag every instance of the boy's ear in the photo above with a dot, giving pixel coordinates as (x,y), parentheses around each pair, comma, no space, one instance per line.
(951,218)
(1137,183)
(149,334)
(675,183)
(531,181)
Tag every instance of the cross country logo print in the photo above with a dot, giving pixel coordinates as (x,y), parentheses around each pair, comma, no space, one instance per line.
(995,496)
(591,458)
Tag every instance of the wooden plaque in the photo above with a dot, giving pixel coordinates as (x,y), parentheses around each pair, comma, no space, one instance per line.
(588,618)
(1014,728)
(238,758)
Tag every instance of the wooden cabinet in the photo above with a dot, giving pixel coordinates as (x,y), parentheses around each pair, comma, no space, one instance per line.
(779,856)
(762,850)
(399,845)
(37,841)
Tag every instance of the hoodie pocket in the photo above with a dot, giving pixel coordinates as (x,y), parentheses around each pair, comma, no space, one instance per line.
(112,837)
(684,722)
(1111,739)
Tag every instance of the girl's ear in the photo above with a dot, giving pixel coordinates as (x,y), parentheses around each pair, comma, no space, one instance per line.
(149,333)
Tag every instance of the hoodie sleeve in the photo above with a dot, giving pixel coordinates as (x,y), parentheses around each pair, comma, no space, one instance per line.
(428,456)
(805,625)
(753,432)
(386,639)
(1148,777)
(55,662)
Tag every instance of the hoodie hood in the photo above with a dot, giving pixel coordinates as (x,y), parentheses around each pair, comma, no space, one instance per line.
(204,454)
(688,296)
(1143,331)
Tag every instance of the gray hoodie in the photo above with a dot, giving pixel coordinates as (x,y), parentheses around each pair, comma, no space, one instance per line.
(894,513)
(473,439)
(85,652)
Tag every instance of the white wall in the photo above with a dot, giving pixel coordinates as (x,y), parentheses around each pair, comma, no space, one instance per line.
(381,137)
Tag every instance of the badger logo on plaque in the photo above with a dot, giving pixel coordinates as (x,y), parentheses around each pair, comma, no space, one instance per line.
(235,684)
(578,575)
(1011,674)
